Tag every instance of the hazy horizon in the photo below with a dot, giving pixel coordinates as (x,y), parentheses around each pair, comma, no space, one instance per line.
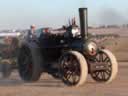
(21,14)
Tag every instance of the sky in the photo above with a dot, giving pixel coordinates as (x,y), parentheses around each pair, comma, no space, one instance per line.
(20,14)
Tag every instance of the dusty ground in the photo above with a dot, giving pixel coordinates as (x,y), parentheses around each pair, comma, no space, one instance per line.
(48,86)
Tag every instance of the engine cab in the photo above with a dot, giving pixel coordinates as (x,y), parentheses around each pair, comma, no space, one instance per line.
(54,41)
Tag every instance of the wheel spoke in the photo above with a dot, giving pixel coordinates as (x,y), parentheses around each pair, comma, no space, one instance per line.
(108,72)
(69,75)
(101,57)
(106,59)
(74,76)
(103,75)
(97,58)
(97,73)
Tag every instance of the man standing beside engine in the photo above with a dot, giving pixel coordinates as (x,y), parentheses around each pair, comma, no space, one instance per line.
(31,32)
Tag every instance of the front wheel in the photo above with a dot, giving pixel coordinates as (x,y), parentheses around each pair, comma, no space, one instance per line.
(74,68)
(108,64)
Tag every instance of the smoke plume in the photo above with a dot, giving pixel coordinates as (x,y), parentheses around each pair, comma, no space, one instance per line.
(111,16)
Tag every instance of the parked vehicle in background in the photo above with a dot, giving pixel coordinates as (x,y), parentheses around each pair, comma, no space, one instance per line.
(8,52)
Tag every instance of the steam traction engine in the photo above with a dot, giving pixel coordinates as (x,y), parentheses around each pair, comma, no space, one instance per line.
(68,56)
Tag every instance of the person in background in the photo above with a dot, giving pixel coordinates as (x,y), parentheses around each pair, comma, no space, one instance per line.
(31,32)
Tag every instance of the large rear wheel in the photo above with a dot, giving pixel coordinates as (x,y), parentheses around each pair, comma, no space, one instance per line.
(74,68)
(29,64)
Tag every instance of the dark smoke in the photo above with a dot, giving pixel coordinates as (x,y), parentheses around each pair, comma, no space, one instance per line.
(110,16)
